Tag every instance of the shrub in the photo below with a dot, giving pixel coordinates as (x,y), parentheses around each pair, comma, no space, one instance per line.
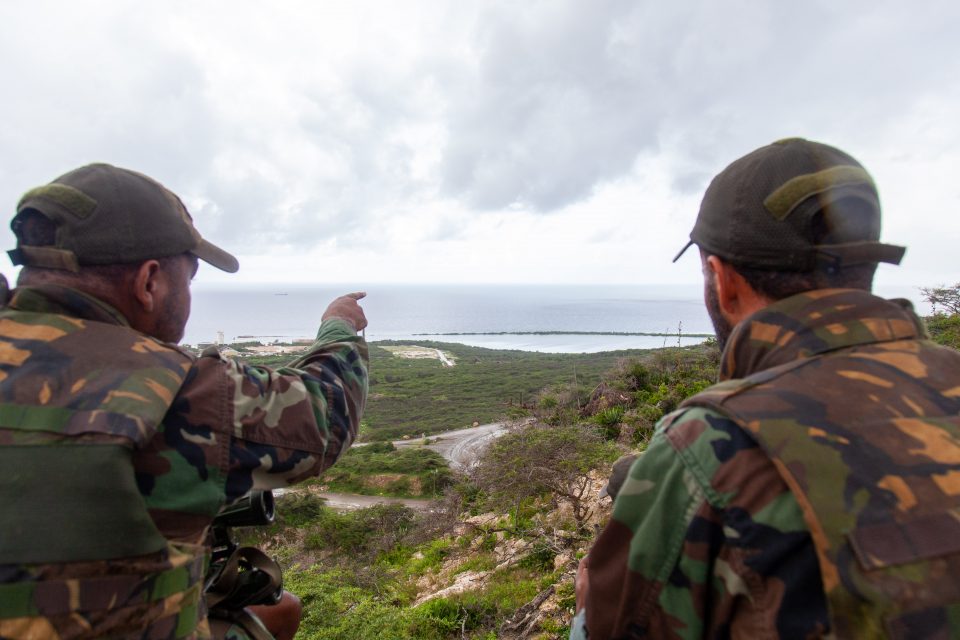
(944,329)
(352,470)
(299,509)
(536,460)
(365,531)
(540,558)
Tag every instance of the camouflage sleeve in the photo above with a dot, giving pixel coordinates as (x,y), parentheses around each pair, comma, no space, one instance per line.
(293,422)
(705,541)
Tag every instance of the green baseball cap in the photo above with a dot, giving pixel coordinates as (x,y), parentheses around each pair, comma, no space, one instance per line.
(108,215)
(762,210)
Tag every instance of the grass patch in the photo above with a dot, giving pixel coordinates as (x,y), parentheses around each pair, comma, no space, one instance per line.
(382,469)
(413,397)
(358,572)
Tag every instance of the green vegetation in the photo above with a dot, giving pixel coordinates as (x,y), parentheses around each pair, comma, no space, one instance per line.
(944,329)
(513,529)
(382,469)
(416,396)
(570,333)
(510,533)
(634,394)
(944,324)
(543,460)
(357,573)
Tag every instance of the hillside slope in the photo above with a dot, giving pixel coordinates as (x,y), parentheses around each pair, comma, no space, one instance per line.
(496,555)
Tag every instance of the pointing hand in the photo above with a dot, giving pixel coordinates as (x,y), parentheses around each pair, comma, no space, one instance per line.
(347,309)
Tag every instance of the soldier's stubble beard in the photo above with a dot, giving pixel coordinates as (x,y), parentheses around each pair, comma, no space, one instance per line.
(721,326)
(174,309)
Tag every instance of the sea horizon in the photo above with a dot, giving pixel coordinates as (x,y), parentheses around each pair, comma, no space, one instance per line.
(529,317)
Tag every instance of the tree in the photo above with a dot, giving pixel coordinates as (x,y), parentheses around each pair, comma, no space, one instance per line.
(536,459)
(944,297)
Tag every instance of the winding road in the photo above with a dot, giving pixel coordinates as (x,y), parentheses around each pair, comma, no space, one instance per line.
(461,449)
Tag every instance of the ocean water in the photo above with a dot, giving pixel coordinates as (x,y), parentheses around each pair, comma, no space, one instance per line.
(493,316)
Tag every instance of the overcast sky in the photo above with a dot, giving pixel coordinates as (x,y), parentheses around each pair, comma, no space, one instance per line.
(416,142)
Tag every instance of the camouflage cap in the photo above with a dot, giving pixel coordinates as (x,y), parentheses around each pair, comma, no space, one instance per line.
(108,215)
(766,209)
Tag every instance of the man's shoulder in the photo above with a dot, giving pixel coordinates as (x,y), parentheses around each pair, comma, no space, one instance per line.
(695,425)
(713,449)
(713,396)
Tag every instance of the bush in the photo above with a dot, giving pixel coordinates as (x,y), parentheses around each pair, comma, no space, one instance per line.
(656,386)
(540,558)
(438,616)
(609,420)
(535,460)
(609,417)
(365,531)
(352,471)
(299,509)
(944,329)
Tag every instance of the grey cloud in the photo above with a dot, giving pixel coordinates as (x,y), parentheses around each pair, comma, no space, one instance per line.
(539,103)
(130,101)
(253,215)
(567,98)
(544,117)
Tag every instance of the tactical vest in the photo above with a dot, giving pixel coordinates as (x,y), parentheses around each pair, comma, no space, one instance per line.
(79,554)
(868,441)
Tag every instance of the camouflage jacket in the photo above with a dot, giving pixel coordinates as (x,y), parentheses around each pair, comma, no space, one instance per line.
(119,450)
(711,534)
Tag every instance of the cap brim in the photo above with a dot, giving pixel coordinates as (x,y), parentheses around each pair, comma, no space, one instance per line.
(214,255)
(682,251)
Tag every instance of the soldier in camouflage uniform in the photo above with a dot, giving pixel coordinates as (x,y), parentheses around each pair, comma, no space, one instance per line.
(117,447)
(815,491)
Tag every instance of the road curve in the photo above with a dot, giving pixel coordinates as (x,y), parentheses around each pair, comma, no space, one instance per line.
(461,448)
(352,501)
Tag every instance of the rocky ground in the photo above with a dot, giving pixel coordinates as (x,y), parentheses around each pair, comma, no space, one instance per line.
(553,604)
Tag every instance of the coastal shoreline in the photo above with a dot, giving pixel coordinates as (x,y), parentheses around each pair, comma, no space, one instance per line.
(537,342)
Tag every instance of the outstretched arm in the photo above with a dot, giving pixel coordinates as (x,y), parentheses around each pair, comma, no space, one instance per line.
(293,422)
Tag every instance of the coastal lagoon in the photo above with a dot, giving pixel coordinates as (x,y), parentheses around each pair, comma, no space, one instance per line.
(547,318)
(558,319)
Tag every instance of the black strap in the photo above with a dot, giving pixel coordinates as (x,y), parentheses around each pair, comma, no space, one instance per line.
(249,576)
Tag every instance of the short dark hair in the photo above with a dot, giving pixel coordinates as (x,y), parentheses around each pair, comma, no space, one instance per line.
(777,284)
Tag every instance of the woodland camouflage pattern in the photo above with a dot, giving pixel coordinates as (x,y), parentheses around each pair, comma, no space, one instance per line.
(815,492)
(118,418)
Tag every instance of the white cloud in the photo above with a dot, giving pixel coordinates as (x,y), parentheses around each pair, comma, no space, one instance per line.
(493,141)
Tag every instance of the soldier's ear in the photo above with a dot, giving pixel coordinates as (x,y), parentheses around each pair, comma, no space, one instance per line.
(735,297)
(146,285)
(720,276)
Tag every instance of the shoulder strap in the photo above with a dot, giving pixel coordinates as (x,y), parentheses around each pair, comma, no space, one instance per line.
(248,576)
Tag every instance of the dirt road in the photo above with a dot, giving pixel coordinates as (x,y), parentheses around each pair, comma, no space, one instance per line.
(351,501)
(461,449)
